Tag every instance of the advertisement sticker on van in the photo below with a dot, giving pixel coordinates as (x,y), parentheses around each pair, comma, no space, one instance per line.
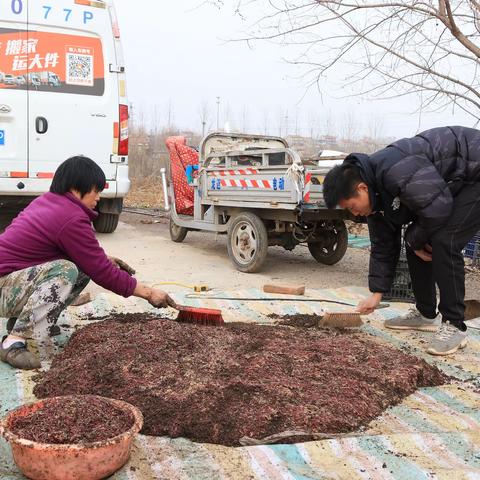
(2,137)
(53,62)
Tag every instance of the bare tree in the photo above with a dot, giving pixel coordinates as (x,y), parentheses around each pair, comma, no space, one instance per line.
(376,130)
(266,122)
(312,123)
(245,119)
(328,123)
(228,116)
(280,121)
(140,123)
(389,48)
(349,130)
(297,119)
(204,114)
(170,111)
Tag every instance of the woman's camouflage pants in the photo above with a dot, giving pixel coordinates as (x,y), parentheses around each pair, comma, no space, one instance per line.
(36,296)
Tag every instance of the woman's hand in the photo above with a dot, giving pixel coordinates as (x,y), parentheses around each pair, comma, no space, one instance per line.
(156,297)
(122,265)
(369,304)
(160,299)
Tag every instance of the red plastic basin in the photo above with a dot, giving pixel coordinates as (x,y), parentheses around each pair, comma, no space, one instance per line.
(89,461)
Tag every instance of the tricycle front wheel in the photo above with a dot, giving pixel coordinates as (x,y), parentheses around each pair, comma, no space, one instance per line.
(247,242)
(177,233)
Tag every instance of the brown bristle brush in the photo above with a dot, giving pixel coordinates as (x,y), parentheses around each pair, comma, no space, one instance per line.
(344,319)
(341,320)
(199,316)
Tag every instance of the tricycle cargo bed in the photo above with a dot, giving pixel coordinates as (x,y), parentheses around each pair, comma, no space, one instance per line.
(258,191)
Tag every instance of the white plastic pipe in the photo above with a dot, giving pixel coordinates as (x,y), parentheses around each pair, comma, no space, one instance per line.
(164,186)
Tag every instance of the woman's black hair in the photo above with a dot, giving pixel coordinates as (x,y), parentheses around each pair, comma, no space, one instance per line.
(78,173)
(341,184)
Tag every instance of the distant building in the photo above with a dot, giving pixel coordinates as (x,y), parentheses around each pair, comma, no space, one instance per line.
(328,141)
(305,146)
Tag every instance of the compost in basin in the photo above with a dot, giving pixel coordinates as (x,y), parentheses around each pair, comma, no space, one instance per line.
(73,420)
(219,384)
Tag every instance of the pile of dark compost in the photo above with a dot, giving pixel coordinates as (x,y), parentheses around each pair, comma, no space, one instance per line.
(220,384)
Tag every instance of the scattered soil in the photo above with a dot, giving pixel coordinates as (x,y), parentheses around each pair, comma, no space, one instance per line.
(472,309)
(299,320)
(219,384)
(73,420)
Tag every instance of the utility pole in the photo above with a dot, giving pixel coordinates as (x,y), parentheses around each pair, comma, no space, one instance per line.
(218,113)
(170,115)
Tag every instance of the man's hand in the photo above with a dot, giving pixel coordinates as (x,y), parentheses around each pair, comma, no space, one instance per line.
(369,304)
(122,265)
(160,299)
(425,253)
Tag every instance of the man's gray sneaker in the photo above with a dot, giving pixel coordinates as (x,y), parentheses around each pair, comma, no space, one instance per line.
(18,356)
(414,320)
(447,341)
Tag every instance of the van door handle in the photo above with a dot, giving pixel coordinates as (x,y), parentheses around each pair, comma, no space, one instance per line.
(41,125)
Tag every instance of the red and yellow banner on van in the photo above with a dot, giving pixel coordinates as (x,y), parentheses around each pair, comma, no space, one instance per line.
(52,62)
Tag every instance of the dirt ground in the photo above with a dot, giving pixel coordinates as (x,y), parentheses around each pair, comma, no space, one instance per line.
(202,258)
(144,242)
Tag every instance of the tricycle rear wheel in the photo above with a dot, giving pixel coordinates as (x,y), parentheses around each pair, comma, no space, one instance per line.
(331,249)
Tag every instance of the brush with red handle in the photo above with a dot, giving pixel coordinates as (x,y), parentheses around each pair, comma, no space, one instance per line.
(199,316)
(196,315)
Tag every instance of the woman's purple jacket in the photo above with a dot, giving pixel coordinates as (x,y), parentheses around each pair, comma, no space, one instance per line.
(55,227)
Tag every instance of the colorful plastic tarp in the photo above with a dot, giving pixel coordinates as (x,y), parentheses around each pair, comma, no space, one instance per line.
(433,434)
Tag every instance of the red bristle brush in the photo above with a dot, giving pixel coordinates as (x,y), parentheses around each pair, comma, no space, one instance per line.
(199,316)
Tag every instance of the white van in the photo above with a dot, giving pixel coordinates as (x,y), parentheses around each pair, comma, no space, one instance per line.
(76,104)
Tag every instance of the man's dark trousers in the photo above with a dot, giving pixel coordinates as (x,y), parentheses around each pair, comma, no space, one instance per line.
(447,267)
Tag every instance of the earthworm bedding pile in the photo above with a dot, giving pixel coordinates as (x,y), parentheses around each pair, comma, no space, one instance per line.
(298,320)
(73,420)
(220,384)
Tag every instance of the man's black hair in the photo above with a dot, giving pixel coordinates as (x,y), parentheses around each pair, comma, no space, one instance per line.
(78,173)
(340,184)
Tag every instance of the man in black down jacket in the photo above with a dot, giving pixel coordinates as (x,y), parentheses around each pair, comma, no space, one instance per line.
(432,183)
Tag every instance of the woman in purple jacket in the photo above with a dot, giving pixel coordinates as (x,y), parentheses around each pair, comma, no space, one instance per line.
(49,254)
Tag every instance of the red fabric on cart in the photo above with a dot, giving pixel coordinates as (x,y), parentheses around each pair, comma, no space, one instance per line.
(181,156)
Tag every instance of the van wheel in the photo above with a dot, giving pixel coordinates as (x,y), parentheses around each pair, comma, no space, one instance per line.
(333,245)
(177,233)
(106,222)
(247,242)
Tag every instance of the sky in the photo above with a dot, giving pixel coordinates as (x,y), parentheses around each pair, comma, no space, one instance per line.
(180,57)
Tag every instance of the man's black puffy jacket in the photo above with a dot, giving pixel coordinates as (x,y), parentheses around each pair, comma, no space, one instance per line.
(414,180)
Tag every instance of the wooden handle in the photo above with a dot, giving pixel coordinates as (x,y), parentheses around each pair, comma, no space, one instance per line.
(284,289)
